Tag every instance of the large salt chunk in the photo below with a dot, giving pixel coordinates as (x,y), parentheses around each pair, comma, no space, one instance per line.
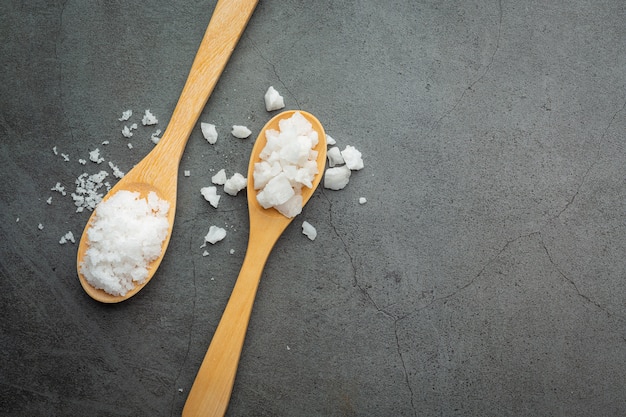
(210,195)
(352,157)
(292,207)
(240,132)
(277,191)
(149,119)
(215,235)
(308,230)
(334,156)
(235,184)
(273,100)
(209,132)
(337,178)
(219,178)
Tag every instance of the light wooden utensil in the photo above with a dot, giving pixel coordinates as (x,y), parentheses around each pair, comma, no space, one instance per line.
(158,171)
(210,393)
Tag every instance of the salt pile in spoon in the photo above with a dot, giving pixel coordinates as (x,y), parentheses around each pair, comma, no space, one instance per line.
(126,235)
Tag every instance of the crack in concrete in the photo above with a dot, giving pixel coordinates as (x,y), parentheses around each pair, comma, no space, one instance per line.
(271,64)
(478,79)
(593,164)
(404,368)
(570,281)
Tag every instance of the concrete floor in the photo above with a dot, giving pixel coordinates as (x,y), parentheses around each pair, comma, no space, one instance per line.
(485,275)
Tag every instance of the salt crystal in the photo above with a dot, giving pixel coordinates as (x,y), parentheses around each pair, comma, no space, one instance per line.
(352,157)
(240,132)
(235,184)
(215,235)
(210,195)
(308,230)
(362,200)
(219,178)
(337,178)
(149,119)
(125,115)
(273,100)
(209,132)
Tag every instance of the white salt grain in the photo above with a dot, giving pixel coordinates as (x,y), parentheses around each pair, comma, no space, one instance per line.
(49,200)
(125,115)
(273,100)
(155,136)
(308,230)
(219,178)
(215,235)
(88,190)
(149,119)
(187,173)
(94,156)
(240,132)
(130,145)
(330,141)
(54,150)
(352,157)
(66,157)
(362,200)
(209,132)
(59,188)
(210,195)
(82,161)
(68,237)
(126,235)
(334,156)
(126,132)
(337,178)
(235,184)
(40,226)
(205,253)
(116,171)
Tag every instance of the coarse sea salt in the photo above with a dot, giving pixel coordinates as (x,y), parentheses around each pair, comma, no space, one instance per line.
(308,230)
(209,132)
(126,235)
(288,163)
(241,132)
(210,195)
(273,100)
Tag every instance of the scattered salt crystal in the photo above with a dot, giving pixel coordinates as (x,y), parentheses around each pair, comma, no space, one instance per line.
(126,132)
(215,235)
(273,100)
(155,136)
(308,230)
(17,220)
(106,142)
(125,115)
(130,145)
(235,184)
(49,200)
(362,200)
(54,150)
(330,141)
(334,157)
(210,195)
(116,171)
(68,237)
(205,253)
(66,157)
(352,157)
(232,251)
(209,132)
(125,236)
(82,161)
(94,156)
(337,178)
(240,132)
(87,194)
(59,188)
(219,178)
(40,226)
(186,173)
(149,119)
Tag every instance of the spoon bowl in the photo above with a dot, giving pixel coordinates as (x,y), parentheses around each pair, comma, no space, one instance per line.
(158,171)
(211,390)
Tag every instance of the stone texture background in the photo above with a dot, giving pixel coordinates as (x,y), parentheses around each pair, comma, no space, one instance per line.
(485,276)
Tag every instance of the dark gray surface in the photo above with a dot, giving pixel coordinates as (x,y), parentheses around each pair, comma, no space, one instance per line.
(485,275)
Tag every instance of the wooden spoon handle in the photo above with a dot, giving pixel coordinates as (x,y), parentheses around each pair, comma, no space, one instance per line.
(211,390)
(226,26)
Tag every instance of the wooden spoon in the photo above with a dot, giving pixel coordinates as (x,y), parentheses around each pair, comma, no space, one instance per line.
(210,393)
(158,171)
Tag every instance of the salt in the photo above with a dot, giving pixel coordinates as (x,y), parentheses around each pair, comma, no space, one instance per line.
(126,235)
